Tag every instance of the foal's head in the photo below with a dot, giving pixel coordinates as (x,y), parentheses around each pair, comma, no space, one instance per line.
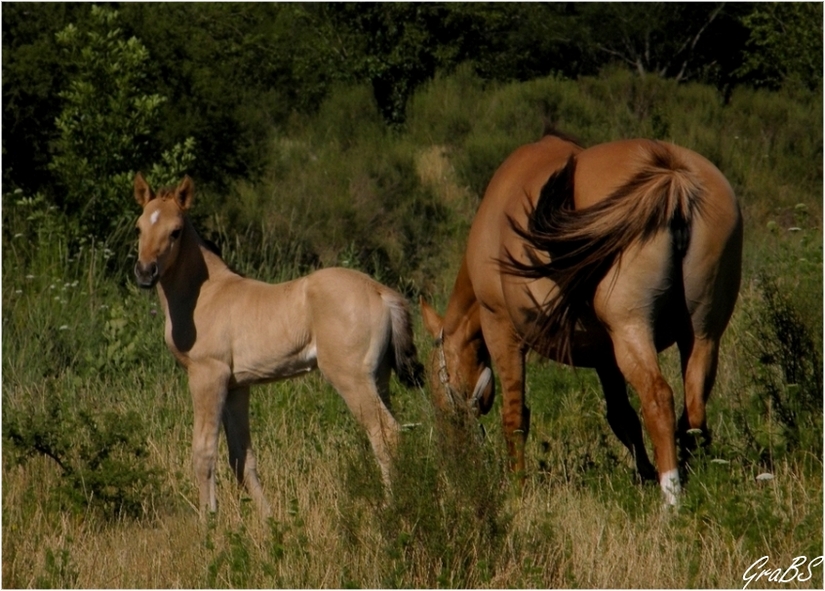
(160,227)
(460,373)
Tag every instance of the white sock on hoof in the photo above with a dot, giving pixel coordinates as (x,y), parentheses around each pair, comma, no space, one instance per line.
(671,488)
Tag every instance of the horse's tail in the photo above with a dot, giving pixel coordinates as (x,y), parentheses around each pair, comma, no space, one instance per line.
(584,244)
(405,356)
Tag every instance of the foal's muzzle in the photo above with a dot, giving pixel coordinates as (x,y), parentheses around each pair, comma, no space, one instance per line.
(147,275)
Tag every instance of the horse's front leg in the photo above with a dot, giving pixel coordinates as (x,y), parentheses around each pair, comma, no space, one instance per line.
(208,386)
(239,442)
(508,357)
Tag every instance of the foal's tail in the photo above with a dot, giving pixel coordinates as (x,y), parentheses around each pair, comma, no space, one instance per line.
(405,357)
(584,244)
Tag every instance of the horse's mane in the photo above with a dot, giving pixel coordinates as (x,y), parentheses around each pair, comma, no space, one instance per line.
(550,129)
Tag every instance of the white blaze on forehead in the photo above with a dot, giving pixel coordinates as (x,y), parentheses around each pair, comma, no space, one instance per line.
(153,219)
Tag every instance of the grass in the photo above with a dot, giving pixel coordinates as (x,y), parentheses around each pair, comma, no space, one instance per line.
(80,341)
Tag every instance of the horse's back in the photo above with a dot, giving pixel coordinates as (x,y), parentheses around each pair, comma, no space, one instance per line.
(603,169)
(710,265)
(340,291)
(515,187)
(511,193)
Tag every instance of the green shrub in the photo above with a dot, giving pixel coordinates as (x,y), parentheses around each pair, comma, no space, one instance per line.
(105,127)
(787,378)
(445,522)
(102,456)
(343,190)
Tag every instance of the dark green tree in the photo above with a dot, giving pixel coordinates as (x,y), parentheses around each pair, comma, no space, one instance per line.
(226,69)
(105,126)
(785,44)
(33,74)
(674,40)
(398,46)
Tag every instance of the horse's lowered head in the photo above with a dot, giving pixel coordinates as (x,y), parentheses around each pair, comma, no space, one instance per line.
(160,227)
(460,374)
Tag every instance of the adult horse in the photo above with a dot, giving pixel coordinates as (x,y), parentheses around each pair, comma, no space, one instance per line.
(230,332)
(601,258)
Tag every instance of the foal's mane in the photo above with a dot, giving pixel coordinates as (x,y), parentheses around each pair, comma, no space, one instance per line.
(168,192)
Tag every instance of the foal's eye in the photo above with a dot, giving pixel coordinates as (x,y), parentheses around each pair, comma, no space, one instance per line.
(137,231)
(175,234)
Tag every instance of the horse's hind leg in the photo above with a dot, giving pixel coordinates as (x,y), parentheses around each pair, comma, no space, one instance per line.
(637,359)
(241,457)
(699,362)
(623,419)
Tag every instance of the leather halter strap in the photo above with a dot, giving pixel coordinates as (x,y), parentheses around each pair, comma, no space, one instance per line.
(444,378)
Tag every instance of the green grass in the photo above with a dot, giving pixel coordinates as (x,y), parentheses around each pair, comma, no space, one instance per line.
(81,343)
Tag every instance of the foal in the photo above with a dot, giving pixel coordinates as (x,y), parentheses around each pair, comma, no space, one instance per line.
(230,332)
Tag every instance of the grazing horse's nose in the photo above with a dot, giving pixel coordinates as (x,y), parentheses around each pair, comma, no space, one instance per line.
(147,275)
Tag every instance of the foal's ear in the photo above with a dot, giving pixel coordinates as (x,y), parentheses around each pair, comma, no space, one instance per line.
(432,321)
(184,193)
(143,192)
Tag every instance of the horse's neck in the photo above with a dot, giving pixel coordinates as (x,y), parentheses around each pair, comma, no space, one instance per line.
(461,319)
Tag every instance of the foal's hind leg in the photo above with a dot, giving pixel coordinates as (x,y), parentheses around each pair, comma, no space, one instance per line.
(365,392)
(239,442)
(623,419)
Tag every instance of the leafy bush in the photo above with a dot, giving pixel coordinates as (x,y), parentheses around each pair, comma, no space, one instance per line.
(445,521)
(784,45)
(106,125)
(343,190)
(787,375)
(101,455)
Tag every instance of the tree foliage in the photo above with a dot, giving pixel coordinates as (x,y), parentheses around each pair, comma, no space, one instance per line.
(106,124)
(230,75)
(668,39)
(785,43)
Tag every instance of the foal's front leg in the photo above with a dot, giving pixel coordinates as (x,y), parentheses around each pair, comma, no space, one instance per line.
(208,386)
(239,442)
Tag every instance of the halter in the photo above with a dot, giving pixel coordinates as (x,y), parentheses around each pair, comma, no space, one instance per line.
(444,378)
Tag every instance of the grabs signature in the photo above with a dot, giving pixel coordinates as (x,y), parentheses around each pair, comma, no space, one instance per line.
(801,569)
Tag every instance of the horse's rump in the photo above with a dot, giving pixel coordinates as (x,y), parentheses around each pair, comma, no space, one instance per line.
(663,194)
